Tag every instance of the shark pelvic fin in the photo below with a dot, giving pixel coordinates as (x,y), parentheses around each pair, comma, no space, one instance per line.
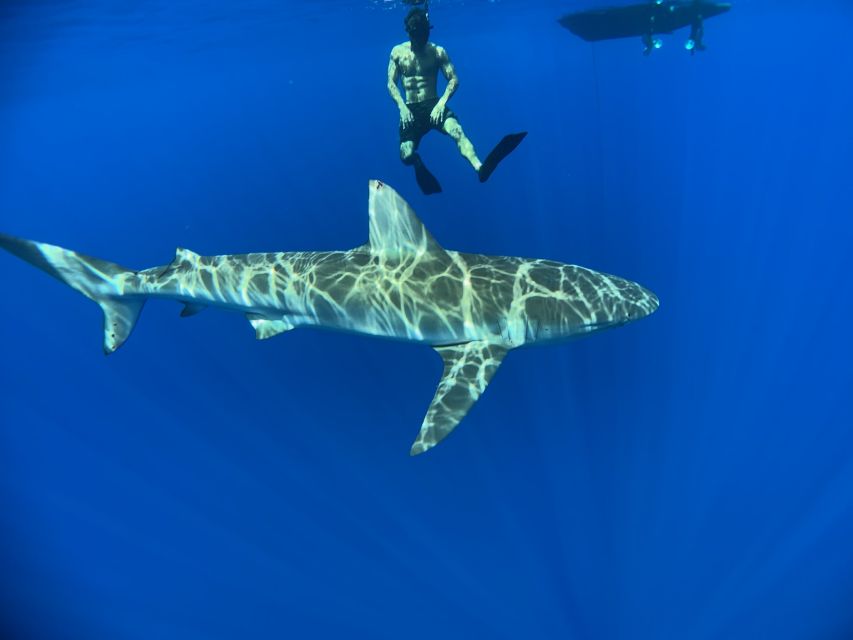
(192,308)
(268,327)
(468,369)
(395,230)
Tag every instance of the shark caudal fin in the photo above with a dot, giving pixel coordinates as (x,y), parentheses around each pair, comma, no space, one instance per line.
(99,280)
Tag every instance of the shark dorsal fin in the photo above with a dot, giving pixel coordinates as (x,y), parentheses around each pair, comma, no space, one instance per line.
(395,230)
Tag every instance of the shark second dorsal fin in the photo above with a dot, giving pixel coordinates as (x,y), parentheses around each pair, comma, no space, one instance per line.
(182,255)
(395,230)
(184,259)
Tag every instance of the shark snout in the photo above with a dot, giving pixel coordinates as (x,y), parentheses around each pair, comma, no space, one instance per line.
(645,303)
(633,302)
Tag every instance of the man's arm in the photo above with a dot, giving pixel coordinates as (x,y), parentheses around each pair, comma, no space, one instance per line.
(393,76)
(406,116)
(452,83)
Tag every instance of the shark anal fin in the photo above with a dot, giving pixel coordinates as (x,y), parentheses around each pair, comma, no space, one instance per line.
(468,369)
(268,327)
(192,308)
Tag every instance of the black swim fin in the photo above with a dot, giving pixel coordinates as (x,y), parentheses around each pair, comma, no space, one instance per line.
(502,149)
(426,181)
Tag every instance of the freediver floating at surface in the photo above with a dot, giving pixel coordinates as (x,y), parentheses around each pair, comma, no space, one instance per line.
(471,308)
(418,62)
(647,21)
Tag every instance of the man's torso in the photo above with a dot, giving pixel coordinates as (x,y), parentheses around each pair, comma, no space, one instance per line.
(418,70)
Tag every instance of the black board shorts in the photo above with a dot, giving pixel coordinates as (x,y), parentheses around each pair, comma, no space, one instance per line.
(421,124)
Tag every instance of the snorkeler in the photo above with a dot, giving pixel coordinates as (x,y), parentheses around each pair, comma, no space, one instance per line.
(418,62)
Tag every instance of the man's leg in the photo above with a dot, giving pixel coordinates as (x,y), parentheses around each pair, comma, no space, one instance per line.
(426,181)
(407,152)
(466,148)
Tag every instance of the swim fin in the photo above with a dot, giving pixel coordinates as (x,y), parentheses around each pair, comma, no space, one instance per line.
(426,181)
(502,149)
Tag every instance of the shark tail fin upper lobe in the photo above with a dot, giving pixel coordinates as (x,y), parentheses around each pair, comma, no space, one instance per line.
(104,282)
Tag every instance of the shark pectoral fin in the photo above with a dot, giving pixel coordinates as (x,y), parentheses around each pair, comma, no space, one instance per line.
(268,327)
(191,308)
(468,368)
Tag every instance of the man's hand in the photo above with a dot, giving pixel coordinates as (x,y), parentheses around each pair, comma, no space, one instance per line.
(406,117)
(437,114)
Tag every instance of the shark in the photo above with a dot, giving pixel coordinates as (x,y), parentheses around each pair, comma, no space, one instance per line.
(472,309)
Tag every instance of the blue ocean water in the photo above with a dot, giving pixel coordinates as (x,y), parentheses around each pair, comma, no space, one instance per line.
(686,476)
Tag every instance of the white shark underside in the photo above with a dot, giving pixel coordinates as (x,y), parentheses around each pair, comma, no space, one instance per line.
(471,308)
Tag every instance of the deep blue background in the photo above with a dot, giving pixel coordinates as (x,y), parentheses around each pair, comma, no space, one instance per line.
(688,476)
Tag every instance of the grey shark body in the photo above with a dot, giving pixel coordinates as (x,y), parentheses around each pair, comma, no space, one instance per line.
(471,308)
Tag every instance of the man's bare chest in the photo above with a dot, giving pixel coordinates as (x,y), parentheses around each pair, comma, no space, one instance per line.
(425,64)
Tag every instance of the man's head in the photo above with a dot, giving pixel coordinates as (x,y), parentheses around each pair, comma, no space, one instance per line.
(417,26)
